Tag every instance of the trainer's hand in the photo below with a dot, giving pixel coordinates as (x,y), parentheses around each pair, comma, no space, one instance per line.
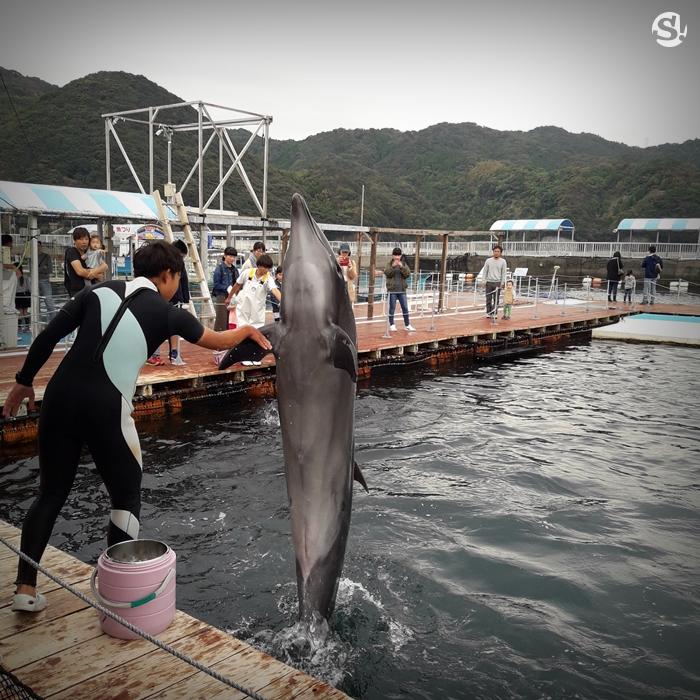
(14,399)
(258,337)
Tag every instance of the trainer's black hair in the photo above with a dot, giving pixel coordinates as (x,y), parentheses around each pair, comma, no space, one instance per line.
(652,248)
(499,246)
(181,246)
(80,232)
(229,250)
(152,259)
(265,261)
(279,270)
(259,245)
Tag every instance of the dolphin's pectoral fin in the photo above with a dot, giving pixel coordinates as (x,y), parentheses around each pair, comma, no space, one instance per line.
(357,476)
(249,349)
(343,351)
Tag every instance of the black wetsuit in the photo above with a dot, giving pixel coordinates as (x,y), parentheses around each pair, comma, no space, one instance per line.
(88,401)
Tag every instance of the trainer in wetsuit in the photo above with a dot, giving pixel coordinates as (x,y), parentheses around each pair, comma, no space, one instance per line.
(120,325)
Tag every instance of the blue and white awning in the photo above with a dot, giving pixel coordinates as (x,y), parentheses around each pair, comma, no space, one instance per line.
(532,225)
(659,225)
(52,200)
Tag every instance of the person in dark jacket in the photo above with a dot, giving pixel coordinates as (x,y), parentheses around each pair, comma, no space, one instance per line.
(225,276)
(652,266)
(615,272)
(397,274)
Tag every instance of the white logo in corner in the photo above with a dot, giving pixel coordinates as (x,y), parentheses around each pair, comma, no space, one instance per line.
(667,31)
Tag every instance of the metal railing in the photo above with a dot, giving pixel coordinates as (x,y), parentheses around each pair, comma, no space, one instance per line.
(582,249)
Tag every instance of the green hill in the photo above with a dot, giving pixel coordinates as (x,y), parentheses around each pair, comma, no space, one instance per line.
(458,176)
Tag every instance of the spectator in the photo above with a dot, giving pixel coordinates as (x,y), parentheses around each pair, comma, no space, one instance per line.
(10,275)
(397,274)
(105,366)
(494,275)
(75,270)
(279,275)
(23,299)
(225,275)
(95,259)
(630,284)
(652,266)
(254,284)
(508,299)
(45,290)
(349,270)
(252,261)
(614,272)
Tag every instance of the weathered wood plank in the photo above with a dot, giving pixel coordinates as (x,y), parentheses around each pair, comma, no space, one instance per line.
(250,668)
(156,670)
(61,602)
(51,638)
(59,564)
(7,530)
(54,674)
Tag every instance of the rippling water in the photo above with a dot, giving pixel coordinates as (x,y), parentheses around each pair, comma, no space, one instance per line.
(531,529)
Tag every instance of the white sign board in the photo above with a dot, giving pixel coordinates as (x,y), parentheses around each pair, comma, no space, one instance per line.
(520,272)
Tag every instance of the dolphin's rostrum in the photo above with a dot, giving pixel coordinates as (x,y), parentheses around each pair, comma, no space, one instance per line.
(315,347)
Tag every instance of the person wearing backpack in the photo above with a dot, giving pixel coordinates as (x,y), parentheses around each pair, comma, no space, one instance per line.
(120,324)
(615,270)
(225,275)
(652,266)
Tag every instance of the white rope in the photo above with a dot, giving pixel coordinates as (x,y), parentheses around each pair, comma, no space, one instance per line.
(132,628)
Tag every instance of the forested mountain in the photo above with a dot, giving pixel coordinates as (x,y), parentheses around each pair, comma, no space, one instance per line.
(452,176)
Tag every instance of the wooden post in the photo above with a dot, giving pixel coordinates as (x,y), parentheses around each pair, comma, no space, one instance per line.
(443,272)
(416,264)
(284,245)
(372,270)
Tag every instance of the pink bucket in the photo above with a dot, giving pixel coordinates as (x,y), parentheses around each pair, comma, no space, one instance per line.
(136,580)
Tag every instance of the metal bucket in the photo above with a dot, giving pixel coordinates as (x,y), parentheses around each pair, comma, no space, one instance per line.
(136,580)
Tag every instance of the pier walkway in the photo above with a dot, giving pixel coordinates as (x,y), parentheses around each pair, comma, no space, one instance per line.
(62,652)
(438,339)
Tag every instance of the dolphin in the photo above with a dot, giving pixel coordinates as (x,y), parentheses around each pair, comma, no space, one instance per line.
(315,348)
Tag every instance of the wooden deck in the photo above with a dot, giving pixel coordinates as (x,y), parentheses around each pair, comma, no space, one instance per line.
(465,332)
(61,652)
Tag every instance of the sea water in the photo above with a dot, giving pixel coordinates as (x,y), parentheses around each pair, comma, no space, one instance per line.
(531,529)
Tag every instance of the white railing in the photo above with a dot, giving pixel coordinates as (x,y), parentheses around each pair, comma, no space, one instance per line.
(583,249)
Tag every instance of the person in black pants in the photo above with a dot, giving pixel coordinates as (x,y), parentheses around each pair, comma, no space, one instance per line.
(614,272)
(120,324)
(225,276)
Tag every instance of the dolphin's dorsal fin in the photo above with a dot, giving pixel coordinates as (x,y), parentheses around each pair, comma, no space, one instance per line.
(357,476)
(343,351)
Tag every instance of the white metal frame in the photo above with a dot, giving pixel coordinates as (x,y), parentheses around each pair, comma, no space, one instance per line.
(202,122)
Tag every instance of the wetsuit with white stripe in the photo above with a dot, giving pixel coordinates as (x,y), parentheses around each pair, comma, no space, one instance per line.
(88,402)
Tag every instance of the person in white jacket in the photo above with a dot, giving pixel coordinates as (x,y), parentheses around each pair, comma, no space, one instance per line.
(494,274)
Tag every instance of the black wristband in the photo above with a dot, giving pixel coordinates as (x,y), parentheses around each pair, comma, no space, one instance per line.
(21,380)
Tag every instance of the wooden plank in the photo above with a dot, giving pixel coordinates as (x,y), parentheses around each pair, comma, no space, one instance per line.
(79,663)
(7,530)
(157,670)
(60,602)
(250,668)
(51,638)
(59,564)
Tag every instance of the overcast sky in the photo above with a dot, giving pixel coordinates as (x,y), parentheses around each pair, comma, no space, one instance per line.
(319,65)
